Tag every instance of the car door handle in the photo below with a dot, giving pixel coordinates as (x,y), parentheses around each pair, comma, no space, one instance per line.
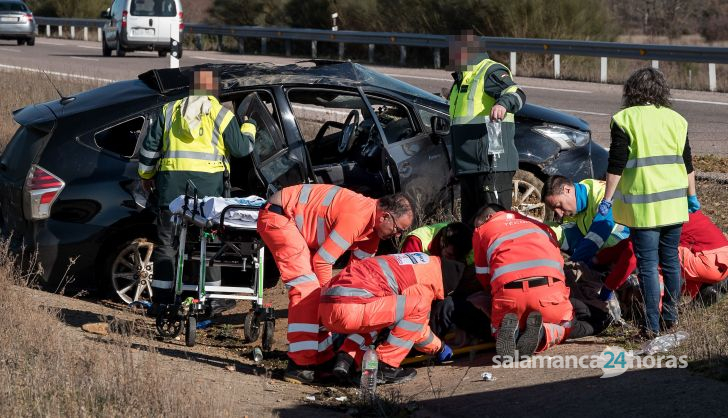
(151,22)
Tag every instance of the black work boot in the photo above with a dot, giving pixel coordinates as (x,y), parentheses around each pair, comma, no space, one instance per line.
(529,340)
(298,374)
(342,366)
(389,374)
(505,343)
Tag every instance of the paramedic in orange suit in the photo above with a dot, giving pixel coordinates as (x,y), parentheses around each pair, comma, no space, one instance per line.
(519,260)
(389,291)
(307,228)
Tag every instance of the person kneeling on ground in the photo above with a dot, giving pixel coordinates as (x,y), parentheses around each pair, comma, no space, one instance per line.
(390,291)
(586,235)
(307,228)
(452,241)
(518,260)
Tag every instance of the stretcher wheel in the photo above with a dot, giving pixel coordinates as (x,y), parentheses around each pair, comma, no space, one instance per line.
(268,332)
(251,326)
(168,323)
(191,331)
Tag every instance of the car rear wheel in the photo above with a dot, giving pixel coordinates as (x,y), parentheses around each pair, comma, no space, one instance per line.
(527,195)
(105,50)
(21,41)
(162,53)
(120,51)
(30,41)
(132,270)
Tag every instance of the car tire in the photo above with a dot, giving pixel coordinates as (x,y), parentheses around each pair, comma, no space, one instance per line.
(30,41)
(105,50)
(162,54)
(128,270)
(120,51)
(527,196)
(21,41)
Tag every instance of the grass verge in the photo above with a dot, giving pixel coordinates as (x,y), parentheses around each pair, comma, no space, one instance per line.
(46,369)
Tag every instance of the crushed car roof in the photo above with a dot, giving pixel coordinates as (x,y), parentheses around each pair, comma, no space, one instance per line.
(336,73)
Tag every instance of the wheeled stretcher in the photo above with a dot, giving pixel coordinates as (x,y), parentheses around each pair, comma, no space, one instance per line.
(219,232)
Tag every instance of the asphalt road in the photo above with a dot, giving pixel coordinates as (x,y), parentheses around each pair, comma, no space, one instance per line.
(707,113)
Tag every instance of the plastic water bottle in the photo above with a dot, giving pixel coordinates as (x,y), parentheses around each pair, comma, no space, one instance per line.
(664,343)
(369,370)
(257,355)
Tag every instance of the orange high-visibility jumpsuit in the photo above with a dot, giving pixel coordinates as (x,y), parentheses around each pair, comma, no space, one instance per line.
(386,291)
(319,223)
(519,260)
(703,251)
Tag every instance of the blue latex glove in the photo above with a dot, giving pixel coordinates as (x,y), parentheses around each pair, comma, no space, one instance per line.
(604,207)
(605,293)
(444,354)
(693,204)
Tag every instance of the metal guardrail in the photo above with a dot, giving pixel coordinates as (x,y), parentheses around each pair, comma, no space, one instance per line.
(605,50)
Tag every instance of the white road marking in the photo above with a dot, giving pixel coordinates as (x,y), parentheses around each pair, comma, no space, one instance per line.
(51,43)
(88,46)
(418,77)
(700,101)
(56,73)
(85,58)
(200,57)
(555,89)
(582,111)
(9,50)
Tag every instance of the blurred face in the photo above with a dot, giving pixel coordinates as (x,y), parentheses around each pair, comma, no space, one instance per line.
(563,204)
(205,83)
(387,226)
(448,252)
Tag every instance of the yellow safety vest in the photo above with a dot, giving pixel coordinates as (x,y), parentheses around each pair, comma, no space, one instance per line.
(202,150)
(468,103)
(426,234)
(653,189)
(583,220)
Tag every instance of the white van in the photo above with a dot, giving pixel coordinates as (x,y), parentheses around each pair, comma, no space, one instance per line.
(140,25)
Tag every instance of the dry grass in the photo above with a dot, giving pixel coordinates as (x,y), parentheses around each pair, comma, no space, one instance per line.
(46,369)
(26,88)
(707,346)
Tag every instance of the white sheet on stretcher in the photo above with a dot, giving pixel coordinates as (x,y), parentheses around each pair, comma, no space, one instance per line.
(212,208)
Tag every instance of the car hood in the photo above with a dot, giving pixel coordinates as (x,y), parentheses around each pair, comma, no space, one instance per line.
(546,115)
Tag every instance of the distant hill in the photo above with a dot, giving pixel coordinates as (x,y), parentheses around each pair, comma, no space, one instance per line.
(196,10)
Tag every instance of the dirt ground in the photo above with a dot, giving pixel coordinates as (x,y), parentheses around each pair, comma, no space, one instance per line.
(221,364)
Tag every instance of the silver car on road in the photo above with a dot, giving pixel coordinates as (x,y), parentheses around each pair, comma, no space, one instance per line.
(16,22)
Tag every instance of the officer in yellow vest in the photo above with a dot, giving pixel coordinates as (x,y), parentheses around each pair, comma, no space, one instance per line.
(448,240)
(483,91)
(651,181)
(191,139)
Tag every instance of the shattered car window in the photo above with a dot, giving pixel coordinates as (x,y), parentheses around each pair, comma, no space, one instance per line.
(394,118)
(374,78)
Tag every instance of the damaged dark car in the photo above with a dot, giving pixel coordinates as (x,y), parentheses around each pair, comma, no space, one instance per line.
(69,188)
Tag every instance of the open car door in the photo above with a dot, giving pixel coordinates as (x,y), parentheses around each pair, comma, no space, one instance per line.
(276,164)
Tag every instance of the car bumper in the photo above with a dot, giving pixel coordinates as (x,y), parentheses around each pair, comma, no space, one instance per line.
(17,31)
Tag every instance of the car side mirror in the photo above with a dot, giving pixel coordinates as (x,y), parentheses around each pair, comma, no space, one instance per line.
(440,128)
(106,14)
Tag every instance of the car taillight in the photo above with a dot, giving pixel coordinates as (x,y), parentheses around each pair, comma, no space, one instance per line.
(123,18)
(41,188)
(181,23)
(29,16)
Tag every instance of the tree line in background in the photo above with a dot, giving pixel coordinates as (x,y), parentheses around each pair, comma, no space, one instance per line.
(562,19)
